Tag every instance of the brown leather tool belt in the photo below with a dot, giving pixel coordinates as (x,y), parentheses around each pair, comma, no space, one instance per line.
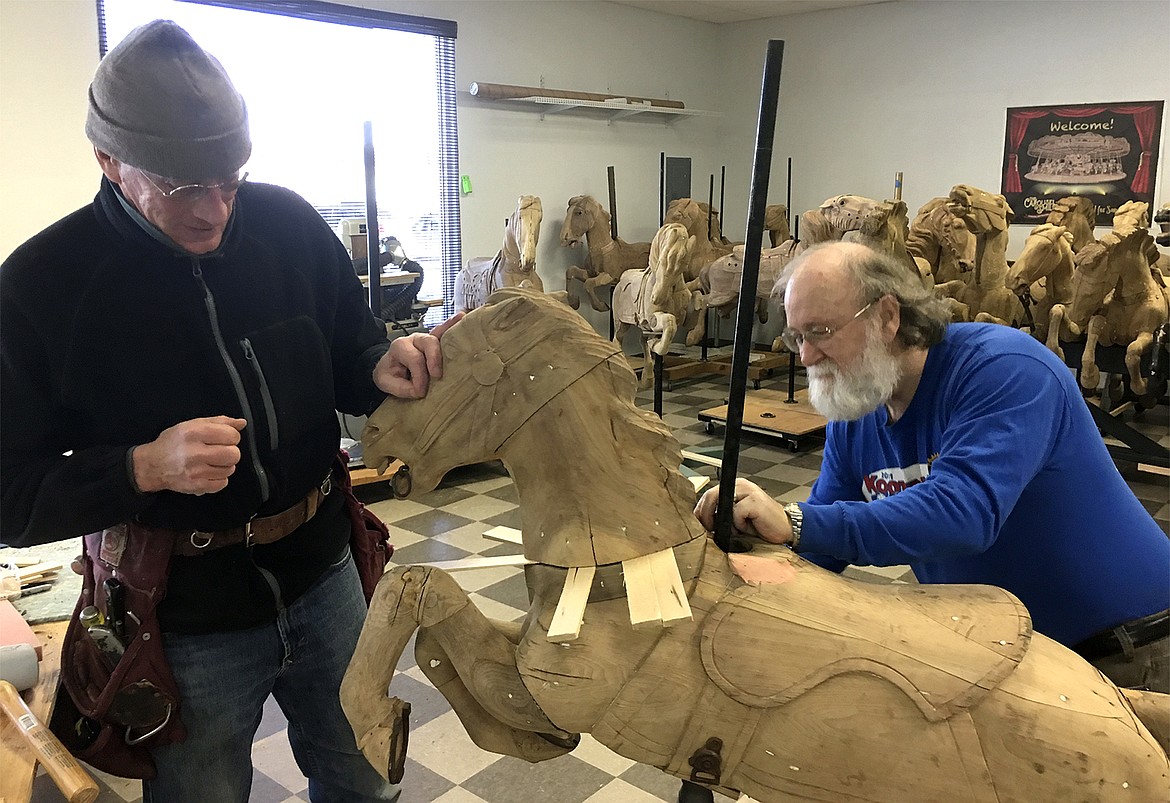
(260,530)
(1115,641)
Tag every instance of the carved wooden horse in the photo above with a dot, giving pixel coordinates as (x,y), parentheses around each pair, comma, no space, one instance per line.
(1077,214)
(656,299)
(941,242)
(776,224)
(693,216)
(1132,314)
(1043,271)
(722,279)
(607,258)
(985,296)
(513,266)
(787,682)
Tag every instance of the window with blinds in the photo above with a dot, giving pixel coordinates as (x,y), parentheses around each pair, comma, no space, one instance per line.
(312,74)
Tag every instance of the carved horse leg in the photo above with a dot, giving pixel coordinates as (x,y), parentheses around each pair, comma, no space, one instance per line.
(591,284)
(1056,322)
(405,599)
(574,272)
(1090,374)
(484,729)
(665,326)
(1133,361)
(699,315)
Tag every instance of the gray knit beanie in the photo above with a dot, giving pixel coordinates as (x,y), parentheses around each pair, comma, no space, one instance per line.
(161,103)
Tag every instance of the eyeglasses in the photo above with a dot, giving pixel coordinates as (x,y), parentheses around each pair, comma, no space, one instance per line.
(189,193)
(793,339)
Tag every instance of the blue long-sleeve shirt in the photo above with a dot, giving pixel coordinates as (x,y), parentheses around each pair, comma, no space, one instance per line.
(995,474)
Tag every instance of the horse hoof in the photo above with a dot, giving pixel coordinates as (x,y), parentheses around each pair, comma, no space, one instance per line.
(399,736)
(568,742)
(573,302)
(600,305)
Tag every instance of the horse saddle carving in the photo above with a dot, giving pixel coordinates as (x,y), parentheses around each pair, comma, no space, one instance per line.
(945,647)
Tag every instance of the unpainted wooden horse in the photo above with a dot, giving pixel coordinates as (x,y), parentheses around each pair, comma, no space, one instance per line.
(983,295)
(513,266)
(607,258)
(657,300)
(721,280)
(1043,273)
(1078,214)
(786,682)
(940,242)
(1131,314)
(694,216)
(776,224)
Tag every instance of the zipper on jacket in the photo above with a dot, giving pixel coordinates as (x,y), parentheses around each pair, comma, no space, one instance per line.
(237,382)
(265,393)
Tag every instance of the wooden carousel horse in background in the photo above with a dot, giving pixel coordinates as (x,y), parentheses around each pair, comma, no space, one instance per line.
(720,281)
(1043,273)
(607,258)
(776,224)
(657,299)
(1137,307)
(984,296)
(692,215)
(1077,214)
(758,673)
(940,242)
(513,266)
(884,228)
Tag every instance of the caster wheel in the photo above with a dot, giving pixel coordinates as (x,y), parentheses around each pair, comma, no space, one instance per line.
(709,428)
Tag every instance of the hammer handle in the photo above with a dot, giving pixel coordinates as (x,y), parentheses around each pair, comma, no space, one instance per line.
(73,781)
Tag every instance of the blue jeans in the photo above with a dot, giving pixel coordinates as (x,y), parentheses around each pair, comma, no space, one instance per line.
(224,679)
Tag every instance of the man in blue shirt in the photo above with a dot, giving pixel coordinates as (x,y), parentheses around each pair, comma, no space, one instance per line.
(967,452)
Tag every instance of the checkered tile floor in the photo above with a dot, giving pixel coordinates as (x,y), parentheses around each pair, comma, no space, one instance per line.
(448,524)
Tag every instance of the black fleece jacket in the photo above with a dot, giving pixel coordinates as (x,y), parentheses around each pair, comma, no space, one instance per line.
(108,337)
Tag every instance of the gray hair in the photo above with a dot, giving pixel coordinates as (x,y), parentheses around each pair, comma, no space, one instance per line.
(924,316)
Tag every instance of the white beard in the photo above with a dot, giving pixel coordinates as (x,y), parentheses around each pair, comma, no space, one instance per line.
(847,395)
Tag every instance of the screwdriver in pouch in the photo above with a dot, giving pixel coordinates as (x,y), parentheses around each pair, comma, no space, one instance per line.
(105,639)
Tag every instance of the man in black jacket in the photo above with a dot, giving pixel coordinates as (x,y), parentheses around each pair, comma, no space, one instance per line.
(173,355)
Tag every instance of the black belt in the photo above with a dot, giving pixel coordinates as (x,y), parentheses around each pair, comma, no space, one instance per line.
(1123,638)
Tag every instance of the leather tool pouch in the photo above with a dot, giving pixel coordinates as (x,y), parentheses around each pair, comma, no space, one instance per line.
(369,539)
(111,711)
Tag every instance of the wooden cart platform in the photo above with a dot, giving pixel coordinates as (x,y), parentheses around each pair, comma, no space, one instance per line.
(768,414)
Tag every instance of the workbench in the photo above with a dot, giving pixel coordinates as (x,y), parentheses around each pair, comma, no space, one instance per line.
(20,766)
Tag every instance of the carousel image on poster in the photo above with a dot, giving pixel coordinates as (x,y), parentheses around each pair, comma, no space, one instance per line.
(1104,151)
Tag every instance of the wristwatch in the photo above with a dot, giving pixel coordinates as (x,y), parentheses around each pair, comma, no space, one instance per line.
(796,519)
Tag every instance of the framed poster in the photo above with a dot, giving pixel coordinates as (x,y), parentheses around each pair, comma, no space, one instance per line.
(1104,151)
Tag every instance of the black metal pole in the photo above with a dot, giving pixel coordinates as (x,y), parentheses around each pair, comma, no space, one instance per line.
(722,188)
(658,385)
(710,204)
(661,188)
(373,246)
(741,351)
(613,229)
(788,197)
(791,379)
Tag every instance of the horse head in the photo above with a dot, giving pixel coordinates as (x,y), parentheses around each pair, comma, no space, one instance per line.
(776,223)
(582,216)
(688,213)
(494,375)
(847,212)
(981,211)
(1046,249)
(670,253)
(1131,215)
(524,229)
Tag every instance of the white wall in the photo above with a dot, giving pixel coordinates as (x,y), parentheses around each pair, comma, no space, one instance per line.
(922,88)
(917,87)
(48,52)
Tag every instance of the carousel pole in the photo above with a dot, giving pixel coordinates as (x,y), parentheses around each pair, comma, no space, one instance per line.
(741,351)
